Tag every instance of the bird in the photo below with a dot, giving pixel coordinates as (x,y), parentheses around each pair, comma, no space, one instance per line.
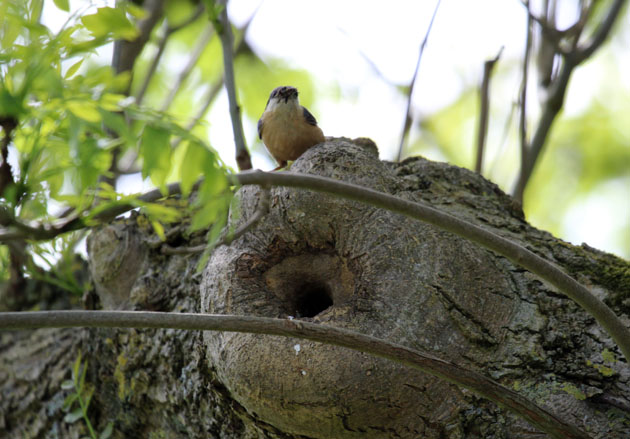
(286,128)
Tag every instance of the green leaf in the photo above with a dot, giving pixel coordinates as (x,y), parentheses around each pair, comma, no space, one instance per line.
(73,416)
(87,396)
(135,10)
(83,373)
(84,109)
(67,385)
(73,69)
(10,105)
(70,399)
(194,162)
(159,230)
(160,211)
(64,5)
(155,150)
(117,124)
(107,432)
(75,369)
(112,21)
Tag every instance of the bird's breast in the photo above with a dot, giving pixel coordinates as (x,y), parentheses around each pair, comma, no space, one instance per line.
(287,135)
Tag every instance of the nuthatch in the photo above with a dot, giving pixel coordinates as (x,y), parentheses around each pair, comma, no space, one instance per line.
(286,128)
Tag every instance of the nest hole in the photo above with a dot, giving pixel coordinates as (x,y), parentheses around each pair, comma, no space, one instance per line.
(312,298)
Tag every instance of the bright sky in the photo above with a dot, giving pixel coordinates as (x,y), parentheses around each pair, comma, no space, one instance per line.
(332,40)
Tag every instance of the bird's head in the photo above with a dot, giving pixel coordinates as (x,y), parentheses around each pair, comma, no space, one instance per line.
(284,95)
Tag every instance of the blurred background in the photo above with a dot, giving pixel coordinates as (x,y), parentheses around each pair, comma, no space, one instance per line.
(353,62)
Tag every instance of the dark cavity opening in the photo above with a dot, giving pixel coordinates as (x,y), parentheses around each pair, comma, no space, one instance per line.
(311,299)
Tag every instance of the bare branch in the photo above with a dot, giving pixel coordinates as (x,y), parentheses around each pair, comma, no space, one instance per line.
(484,94)
(215,88)
(557,90)
(126,52)
(8,124)
(224,28)
(446,370)
(523,100)
(168,31)
(202,42)
(408,120)
(601,33)
(552,106)
(365,57)
(153,66)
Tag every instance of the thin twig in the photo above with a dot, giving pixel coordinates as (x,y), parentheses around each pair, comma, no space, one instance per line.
(153,66)
(365,57)
(408,120)
(168,31)
(555,98)
(484,109)
(215,88)
(446,370)
(602,32)
(224,29)
(202,42)
(522,120)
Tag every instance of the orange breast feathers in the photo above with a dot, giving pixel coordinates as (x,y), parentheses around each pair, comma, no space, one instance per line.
(287,131)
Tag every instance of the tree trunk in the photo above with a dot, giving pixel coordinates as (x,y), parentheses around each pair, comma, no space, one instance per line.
(344,264)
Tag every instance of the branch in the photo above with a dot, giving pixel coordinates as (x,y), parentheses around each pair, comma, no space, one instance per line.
(215,88)
(601,33)
(516,253)
(557,90)
(503,246)
(169,30)
(446,370)
(407,124)
(523,100)
(484,93)
(126,52)
(20,231)
(203,41)
(553,105)
(224,28)
(153,66)
(8,124)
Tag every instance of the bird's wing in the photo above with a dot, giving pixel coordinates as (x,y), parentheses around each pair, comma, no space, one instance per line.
(309,117)
(260,128)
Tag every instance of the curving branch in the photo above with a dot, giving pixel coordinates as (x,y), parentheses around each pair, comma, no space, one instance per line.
(446,370)
(515,252)
(489,240)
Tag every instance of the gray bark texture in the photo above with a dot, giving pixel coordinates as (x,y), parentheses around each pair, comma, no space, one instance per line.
(344,264)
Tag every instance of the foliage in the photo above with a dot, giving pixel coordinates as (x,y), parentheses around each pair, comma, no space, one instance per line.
(73,122)
(77,403)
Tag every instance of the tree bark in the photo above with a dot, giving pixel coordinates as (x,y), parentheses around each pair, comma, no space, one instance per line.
(344,264)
